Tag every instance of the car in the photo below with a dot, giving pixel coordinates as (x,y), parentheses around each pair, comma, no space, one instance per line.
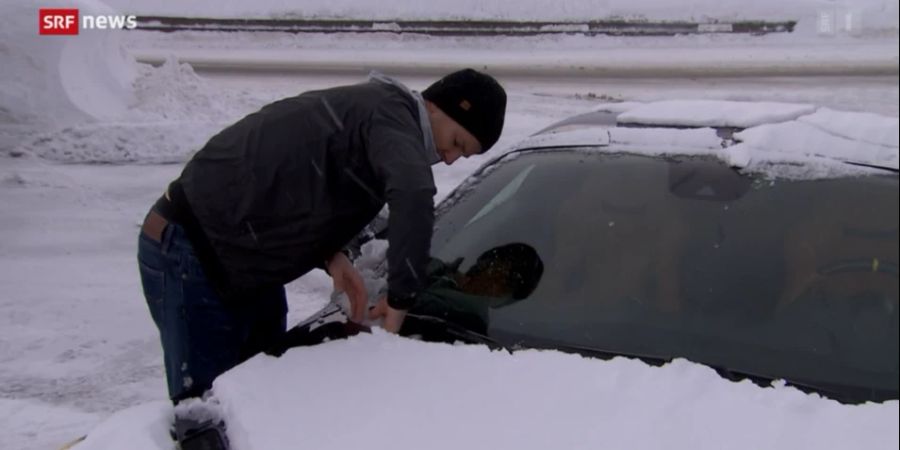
(757,239)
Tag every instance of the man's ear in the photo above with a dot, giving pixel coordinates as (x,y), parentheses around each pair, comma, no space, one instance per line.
(433,115)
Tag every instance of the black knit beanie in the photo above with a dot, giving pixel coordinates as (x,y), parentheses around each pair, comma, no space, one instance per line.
(474,100)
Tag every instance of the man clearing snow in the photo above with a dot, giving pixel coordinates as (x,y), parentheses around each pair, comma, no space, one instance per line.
(281,192)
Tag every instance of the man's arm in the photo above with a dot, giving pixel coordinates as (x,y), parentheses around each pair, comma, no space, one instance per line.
(397,155)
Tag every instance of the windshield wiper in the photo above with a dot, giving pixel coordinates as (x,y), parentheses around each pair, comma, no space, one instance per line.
(461,332)
(872,166)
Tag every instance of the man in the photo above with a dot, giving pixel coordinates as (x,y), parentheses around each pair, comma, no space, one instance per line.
(281,192)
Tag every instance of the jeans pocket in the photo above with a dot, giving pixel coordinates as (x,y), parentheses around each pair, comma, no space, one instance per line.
(154,285)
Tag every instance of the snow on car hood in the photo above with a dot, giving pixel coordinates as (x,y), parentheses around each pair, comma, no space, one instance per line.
(776,138)
(379,391)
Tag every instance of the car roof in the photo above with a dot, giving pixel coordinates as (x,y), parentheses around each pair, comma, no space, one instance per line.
(743,134)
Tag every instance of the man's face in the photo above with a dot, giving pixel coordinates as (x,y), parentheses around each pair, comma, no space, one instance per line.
(451,139)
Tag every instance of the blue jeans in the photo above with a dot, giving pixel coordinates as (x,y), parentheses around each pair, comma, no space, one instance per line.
(201,335)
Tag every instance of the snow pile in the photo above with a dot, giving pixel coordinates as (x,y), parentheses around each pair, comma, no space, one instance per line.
(138,143)
(83,99)
(60,79)
(384,392)
(713,113)
(176,114)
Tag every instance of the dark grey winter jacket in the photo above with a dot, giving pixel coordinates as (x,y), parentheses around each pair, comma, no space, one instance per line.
(288,186)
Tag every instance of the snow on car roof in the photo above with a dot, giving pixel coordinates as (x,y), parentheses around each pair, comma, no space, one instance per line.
(713,113)
(771,134)
(580,136)
(802,138)
(866,127)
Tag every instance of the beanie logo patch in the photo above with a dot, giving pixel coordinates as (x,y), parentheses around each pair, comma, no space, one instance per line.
(465,105)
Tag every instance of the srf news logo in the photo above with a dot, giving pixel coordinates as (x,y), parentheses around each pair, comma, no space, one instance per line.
(65,21)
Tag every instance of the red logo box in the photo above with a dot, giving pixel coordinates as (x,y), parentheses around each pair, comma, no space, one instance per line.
(58,21)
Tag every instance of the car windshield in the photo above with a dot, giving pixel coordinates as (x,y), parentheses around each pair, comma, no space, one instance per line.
(685,257)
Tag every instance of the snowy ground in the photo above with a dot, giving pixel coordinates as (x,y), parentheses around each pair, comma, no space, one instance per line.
(77,344)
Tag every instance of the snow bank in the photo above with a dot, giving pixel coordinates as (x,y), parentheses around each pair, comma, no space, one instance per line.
(176,113)
(153,143)
(60,80)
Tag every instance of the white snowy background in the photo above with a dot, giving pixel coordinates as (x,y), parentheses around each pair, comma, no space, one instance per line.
(89,137)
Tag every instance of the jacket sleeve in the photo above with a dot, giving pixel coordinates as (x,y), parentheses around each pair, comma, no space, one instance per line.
(397,154)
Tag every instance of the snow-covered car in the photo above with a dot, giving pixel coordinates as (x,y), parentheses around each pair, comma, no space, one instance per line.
(759,239)
(756,239)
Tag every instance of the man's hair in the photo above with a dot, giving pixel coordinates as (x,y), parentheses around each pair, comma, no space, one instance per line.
(524,267)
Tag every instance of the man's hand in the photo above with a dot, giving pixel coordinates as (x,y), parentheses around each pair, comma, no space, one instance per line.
(347,279)
(392,319)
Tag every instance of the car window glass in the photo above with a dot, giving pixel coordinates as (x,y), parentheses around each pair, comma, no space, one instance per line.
(684,257)
(505,194)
